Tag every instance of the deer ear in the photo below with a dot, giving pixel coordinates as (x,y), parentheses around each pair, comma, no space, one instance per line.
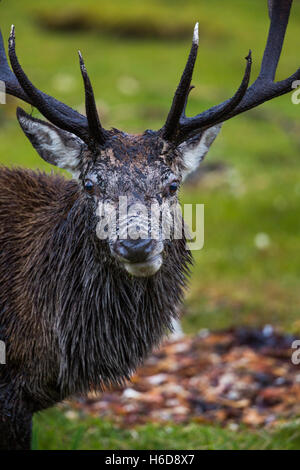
(195,149)
(54,145)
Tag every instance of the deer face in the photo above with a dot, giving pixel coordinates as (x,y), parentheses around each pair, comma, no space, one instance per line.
(130,183)
(132,177)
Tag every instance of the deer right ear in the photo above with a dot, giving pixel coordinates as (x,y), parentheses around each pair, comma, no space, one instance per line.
(54,145)
(194,150)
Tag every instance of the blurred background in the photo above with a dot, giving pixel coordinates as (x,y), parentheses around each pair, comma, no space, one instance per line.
(248,271)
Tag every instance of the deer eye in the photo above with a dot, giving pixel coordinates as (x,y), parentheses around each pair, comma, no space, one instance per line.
(89,186)
(173,187)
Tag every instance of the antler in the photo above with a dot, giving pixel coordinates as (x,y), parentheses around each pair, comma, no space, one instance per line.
(178,127)
(95,128)
(18,84)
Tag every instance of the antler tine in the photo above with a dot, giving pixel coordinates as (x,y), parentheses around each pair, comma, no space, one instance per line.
(180,98)
(216,113)
(96,130)
(48,108)
(279,11)
(13,88)
(177,124)
(263,89)
(11,83)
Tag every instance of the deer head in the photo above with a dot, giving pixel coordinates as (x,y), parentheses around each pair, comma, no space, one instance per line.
(145,168)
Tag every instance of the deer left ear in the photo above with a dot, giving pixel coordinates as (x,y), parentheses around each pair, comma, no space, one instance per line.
(195,149)
(54,145)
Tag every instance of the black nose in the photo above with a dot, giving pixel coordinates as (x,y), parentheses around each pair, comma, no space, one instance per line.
(134,251)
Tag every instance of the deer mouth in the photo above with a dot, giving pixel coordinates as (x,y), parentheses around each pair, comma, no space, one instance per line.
(146,268)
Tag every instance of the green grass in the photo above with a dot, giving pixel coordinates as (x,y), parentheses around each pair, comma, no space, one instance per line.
(233,281)
(88,433)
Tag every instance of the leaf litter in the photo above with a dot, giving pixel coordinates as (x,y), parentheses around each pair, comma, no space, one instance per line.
(232,377)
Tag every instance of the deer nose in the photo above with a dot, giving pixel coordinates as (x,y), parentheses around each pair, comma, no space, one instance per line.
(134,251)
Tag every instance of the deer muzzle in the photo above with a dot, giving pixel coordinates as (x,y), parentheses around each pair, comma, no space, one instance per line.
(141,257)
